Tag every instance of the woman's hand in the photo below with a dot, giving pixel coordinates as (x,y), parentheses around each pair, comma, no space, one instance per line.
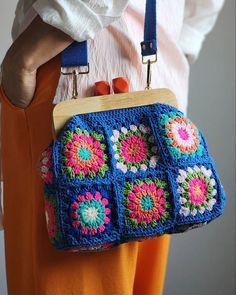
(34,47)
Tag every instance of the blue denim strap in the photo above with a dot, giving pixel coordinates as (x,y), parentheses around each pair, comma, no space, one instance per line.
(77,53)
(149,44)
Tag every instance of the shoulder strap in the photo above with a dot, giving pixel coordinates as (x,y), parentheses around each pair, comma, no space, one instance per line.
(77,53)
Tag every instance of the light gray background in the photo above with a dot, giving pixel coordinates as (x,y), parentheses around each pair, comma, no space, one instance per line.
(201,261)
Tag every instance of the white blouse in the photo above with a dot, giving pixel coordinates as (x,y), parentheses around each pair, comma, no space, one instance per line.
(115,30)
(198,17)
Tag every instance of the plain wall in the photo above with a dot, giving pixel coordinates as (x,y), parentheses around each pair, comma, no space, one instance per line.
(201,261)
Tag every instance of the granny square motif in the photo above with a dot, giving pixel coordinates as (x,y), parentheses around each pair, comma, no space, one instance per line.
(128,175)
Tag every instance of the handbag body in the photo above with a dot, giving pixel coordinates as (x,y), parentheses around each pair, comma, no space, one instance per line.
(128,173)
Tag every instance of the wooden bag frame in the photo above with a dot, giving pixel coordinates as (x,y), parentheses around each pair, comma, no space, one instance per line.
(66,109)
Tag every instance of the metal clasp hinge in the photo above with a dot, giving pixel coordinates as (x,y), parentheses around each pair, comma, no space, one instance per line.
(75,73)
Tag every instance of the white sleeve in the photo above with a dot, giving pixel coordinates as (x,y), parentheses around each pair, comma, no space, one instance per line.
(199,19)
(80,19)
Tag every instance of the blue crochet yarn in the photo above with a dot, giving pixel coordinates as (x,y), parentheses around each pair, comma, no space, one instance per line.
(130,174)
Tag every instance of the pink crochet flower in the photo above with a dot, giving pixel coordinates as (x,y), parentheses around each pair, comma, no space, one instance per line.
(134,149)
(84,155)
(181,134)
(90,213)
(146,202)
(197,190)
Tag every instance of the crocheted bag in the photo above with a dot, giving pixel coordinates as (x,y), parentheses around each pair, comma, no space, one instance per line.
(129,174)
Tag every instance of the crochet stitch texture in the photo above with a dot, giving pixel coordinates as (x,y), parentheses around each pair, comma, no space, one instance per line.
(130,174)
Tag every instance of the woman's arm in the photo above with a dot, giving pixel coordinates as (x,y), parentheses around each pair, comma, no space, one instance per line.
(35,46)
(58,23)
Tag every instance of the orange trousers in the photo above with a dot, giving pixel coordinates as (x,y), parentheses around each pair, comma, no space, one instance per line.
(33,266)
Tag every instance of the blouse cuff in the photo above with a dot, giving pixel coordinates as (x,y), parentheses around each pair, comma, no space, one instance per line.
(76,18)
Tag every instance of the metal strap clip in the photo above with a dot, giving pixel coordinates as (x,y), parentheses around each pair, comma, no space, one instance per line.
(75,73)
(149,62)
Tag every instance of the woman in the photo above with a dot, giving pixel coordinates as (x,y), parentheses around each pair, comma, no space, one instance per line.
(31,84)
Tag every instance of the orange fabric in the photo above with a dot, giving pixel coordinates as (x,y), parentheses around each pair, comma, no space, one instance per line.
(34,267)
